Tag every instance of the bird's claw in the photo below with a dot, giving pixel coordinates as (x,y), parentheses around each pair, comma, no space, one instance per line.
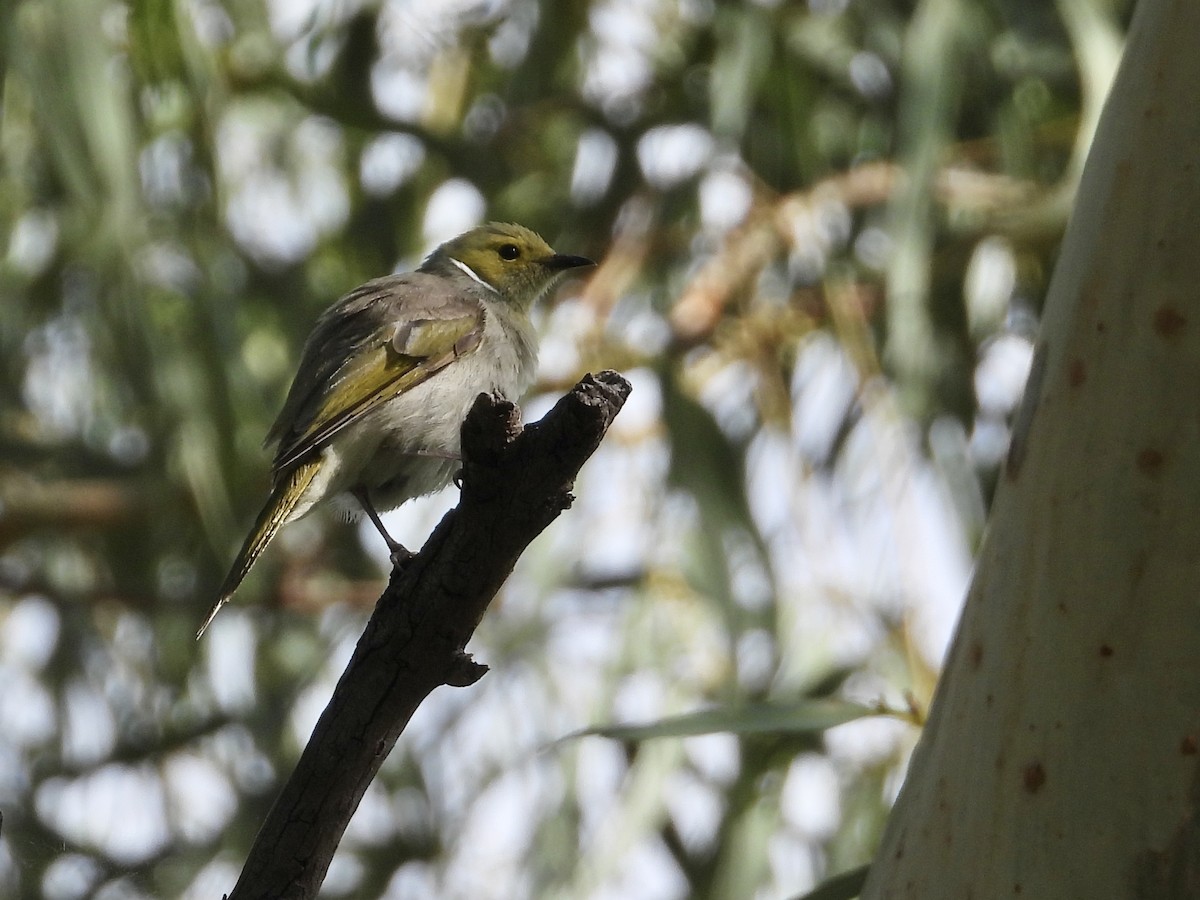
(401,556)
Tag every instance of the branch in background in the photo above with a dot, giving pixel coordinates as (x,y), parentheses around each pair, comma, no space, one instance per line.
(974,199)
(84,503)
(515,482)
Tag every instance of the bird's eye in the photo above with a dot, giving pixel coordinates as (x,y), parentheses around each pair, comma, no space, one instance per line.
(509,251)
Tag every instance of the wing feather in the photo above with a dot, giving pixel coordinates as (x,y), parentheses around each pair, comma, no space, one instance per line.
(375,343)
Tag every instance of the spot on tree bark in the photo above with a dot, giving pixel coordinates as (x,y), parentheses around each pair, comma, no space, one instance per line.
(1033,776)
(1150,461)
(976,655)
(1169,322)
(1076,372)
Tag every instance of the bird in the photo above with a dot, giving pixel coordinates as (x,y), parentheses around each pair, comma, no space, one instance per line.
(388,374)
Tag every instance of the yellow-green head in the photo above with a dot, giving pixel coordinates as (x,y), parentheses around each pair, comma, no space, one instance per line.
(514,262)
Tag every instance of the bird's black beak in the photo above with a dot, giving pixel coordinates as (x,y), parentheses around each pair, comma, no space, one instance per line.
(559,263)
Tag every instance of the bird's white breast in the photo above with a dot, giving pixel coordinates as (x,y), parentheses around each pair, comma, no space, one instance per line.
(410,445)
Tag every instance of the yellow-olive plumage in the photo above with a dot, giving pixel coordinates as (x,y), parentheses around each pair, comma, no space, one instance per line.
(388,374)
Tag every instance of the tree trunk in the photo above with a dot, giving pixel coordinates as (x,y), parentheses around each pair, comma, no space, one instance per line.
(1061,755)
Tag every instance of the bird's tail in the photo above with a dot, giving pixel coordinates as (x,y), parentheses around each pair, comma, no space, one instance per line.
(283,500)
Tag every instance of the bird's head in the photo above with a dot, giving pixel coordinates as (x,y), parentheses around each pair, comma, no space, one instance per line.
(513,261)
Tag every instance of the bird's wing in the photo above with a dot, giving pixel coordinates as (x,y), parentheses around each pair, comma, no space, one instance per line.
(372,345)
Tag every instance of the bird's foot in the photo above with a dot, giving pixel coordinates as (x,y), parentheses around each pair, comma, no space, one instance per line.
(401,556)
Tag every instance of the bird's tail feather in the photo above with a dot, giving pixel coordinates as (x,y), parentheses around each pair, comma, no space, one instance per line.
(283,500)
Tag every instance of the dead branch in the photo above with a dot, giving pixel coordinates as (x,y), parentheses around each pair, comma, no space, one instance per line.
(515,482)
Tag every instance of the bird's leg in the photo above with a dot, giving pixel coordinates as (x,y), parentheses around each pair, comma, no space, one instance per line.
(400,554)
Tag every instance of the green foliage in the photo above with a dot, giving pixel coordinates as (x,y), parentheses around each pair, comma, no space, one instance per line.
(805,718)
(846,886)
(824,231)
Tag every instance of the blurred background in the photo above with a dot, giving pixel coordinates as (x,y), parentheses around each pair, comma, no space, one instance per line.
(824,229)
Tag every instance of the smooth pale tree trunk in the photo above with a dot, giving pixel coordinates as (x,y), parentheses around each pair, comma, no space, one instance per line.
(1061,756)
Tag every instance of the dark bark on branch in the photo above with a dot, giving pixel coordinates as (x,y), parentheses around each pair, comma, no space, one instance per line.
(515,482)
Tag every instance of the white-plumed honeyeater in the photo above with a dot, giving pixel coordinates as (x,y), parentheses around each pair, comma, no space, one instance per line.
(387,377)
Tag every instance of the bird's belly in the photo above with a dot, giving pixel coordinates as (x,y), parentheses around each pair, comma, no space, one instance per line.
(409,446)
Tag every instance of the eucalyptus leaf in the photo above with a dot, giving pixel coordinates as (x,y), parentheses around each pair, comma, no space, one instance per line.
(846,886)
(808,717)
